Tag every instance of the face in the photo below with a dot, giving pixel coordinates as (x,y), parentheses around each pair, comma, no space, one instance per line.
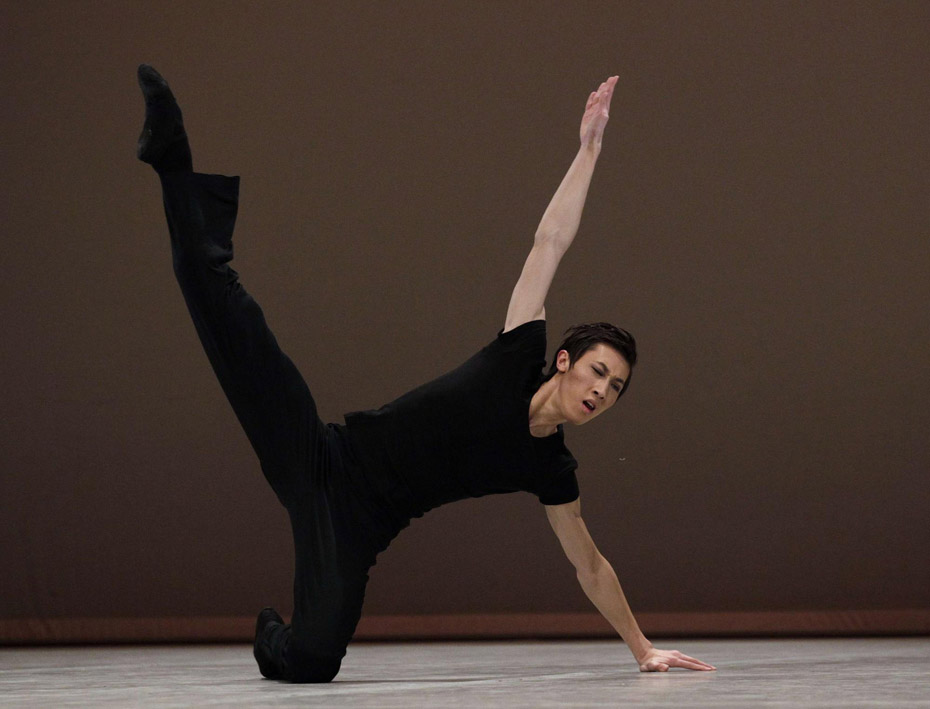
(592,385)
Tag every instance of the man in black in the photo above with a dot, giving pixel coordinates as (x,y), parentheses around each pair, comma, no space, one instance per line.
(492,425)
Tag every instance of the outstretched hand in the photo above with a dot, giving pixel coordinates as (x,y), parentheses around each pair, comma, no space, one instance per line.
(660,660)
(596,112)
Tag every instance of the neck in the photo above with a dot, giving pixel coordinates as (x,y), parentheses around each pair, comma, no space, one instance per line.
(544,412)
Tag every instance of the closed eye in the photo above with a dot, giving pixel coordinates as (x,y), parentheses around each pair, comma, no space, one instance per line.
(616,386)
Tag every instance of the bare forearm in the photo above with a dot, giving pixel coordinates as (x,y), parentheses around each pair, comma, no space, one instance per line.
(603,588)
(563,215)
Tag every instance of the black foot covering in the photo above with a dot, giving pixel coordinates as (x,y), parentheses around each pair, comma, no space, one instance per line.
(163,142)
(267,623)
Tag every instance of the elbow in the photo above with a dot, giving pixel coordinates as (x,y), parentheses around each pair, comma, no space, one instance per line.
(589,571)
(586,579)
(552,239)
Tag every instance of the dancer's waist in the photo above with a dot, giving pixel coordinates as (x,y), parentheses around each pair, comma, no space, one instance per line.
(378,469)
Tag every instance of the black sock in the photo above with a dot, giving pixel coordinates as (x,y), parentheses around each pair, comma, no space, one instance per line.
(163,142)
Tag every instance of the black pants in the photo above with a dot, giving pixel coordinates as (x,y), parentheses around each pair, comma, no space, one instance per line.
(309,465)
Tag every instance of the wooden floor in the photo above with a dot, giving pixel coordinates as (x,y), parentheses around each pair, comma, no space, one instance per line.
(868,672)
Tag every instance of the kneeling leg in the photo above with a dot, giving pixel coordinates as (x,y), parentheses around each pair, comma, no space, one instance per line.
(331,574)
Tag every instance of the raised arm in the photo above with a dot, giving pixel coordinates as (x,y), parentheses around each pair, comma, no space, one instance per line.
(559,223)
(601,585)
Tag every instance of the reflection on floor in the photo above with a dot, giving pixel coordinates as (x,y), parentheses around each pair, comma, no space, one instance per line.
(848,672)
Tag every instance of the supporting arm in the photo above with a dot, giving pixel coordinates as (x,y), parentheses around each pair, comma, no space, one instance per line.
(600,583)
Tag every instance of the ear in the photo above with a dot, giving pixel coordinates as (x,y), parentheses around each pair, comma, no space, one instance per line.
(562,361)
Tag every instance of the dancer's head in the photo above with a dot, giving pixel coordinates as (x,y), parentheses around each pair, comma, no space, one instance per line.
(595,363)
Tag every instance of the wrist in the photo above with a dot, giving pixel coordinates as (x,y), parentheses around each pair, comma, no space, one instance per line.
(640,648)
(590,148)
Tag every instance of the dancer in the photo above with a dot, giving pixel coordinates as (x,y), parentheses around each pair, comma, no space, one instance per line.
(493,425)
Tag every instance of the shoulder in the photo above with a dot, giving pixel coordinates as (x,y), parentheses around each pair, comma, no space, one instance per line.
(528,335)
(535,323)
(515,358)
(559,490)
(556,470)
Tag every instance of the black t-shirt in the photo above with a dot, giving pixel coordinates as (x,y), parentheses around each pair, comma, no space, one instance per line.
(466,434)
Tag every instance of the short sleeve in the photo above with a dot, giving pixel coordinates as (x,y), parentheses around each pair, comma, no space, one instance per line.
(521,356)
(530,336)
(560,490)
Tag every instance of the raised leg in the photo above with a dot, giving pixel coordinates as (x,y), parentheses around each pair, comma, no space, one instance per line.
(303,460)
(267,393)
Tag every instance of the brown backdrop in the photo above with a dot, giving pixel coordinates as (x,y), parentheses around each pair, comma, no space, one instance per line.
(758,219)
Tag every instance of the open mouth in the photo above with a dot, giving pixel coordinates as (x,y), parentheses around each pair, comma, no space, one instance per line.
(588,405)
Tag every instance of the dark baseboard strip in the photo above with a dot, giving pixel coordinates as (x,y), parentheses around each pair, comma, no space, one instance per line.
(50,631)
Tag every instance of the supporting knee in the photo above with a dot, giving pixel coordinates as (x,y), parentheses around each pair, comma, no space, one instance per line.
(306,668)
(317,672)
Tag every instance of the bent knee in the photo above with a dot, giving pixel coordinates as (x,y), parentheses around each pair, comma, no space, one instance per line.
(316,670)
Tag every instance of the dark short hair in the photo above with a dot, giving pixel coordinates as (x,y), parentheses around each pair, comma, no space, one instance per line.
(581,338)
